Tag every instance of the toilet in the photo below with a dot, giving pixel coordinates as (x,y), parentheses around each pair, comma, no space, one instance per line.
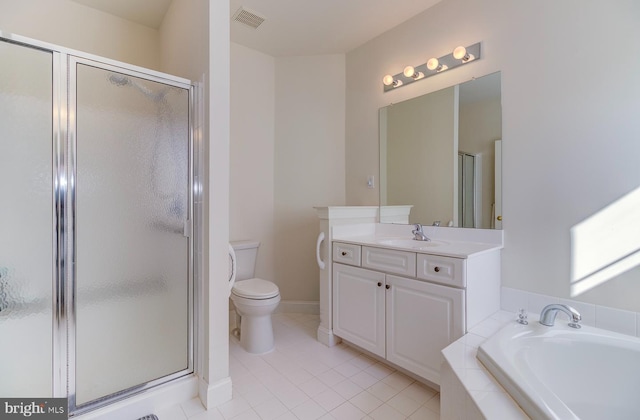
(255,300)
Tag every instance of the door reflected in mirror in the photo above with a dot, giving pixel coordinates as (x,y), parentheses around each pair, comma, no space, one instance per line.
(440,153)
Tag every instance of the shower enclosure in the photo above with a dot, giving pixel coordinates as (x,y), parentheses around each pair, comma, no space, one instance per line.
(96,258)
(469,193)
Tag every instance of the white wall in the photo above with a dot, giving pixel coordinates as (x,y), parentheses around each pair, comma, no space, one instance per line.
(309,164)
(183,39)
(72,25)
(217,117)
(287,156)
(194,39)
(569,99)
(251,200)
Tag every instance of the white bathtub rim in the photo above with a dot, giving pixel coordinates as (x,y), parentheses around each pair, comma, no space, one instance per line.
(524,394)
(529,405)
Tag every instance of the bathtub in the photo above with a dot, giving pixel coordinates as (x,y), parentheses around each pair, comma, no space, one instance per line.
(565,373)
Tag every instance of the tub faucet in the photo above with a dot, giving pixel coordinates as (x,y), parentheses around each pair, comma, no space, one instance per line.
(549,312)
(418,234)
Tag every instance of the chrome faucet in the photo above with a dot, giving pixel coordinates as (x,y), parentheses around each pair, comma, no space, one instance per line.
(549,312)
(418,234)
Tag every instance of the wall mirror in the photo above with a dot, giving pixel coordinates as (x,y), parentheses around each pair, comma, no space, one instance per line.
(440,155)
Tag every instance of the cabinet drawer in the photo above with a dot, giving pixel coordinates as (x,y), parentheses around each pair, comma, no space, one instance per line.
(347,253)
(389,260)
(444,270)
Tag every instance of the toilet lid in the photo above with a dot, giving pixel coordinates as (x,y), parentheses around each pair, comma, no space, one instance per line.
(255,289)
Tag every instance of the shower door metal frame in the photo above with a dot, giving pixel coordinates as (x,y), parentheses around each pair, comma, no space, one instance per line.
(72,62)
(462,177)
(63,143)
(60,246)
(58,136)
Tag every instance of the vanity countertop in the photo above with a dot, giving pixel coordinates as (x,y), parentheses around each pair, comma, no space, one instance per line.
(445,241)
(444,247)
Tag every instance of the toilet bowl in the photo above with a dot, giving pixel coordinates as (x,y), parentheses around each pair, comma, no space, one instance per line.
(255,300)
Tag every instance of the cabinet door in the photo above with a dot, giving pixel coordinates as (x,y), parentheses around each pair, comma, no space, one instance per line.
(422,319)
(358,307)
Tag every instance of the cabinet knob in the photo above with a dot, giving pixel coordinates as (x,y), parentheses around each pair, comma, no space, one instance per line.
(387,287)
(379,284)
(437,269)
(499,218)
(344,253)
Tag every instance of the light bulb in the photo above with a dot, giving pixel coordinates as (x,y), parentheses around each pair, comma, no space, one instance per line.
(459,53)
(409,71)
(388,80)
(432,64)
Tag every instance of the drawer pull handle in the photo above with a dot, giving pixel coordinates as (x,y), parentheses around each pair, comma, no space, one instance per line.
(379,284)
(437,269)
(387,287)
(344,253)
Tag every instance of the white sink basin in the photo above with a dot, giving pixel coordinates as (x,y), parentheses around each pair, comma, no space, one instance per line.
(410,243)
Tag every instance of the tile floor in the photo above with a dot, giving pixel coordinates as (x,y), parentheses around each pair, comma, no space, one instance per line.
(303,379)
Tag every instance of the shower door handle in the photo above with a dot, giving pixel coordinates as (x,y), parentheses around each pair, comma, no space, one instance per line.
(187,228)
(3,293)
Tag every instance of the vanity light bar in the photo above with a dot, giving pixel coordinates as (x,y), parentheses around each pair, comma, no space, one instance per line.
(457,58)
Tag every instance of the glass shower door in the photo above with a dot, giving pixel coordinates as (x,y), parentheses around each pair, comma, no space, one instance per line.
(131,222)
(466,190)
(26,221)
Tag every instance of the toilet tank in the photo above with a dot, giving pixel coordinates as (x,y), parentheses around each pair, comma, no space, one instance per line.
(246,255)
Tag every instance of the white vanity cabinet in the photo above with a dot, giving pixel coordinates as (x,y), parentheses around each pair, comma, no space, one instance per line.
(359,307)
(401,305)
(421,319)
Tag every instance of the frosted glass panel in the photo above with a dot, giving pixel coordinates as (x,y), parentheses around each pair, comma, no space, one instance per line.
(469,191)
(131,254)
(26,249)
(466,190)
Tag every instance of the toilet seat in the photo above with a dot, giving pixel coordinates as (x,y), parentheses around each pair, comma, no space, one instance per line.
(255,288)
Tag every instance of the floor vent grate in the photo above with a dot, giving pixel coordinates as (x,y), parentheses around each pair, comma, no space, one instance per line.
(149,417)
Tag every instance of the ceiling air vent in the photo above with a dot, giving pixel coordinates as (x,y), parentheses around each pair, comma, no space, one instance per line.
(248,17)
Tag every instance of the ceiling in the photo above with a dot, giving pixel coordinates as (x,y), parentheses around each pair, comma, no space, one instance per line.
(312,27)
(302,27)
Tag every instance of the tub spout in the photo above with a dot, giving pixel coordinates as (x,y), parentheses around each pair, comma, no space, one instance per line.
(548,315)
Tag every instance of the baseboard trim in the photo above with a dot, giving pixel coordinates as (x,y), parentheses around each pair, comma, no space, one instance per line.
(213,395)
(299,307)
(326,337)
(285,306)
